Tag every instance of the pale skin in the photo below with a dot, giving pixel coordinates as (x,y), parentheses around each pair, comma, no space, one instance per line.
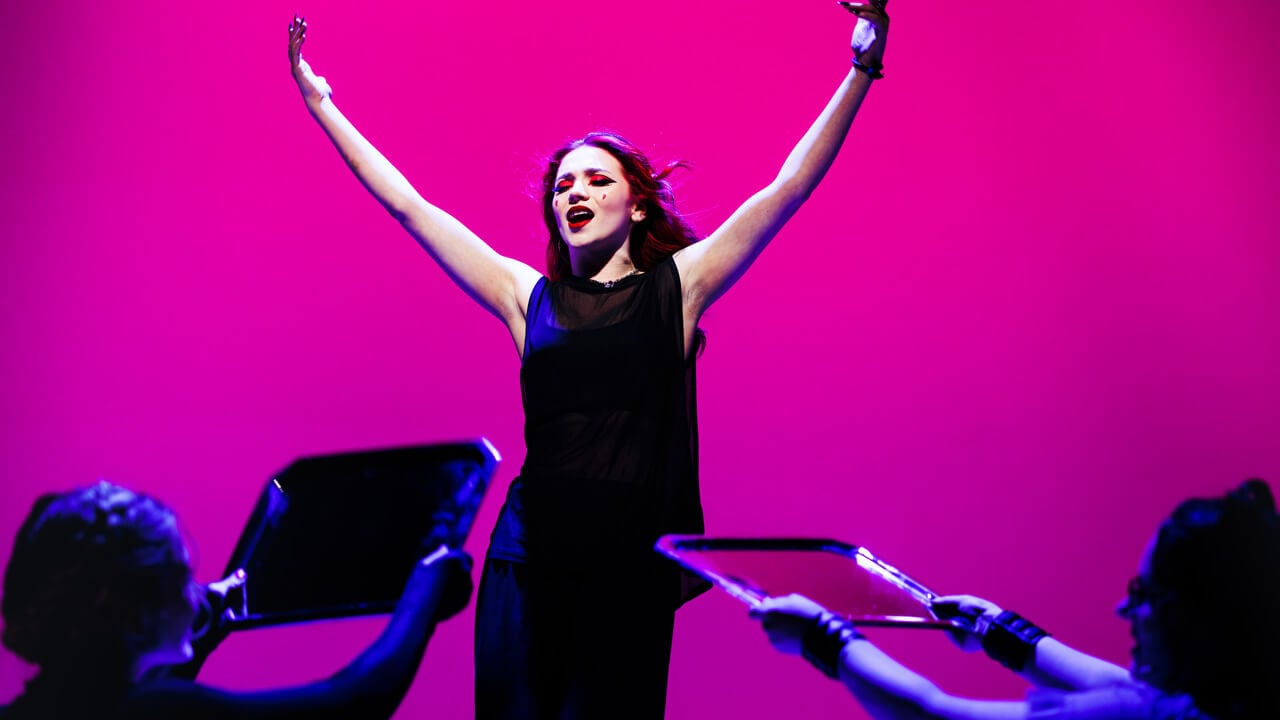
(598,251)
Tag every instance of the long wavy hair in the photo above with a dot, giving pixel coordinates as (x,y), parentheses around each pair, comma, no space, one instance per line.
(662,232)
(1217,561)
(96,577)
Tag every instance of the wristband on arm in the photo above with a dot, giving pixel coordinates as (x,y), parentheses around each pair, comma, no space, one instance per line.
(1011,640)
(875,72)
(823,641)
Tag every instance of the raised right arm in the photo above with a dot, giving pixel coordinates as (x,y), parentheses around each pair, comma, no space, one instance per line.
(500,284)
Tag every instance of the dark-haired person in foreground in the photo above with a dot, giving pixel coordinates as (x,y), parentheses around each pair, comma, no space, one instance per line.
(99,593)
(1204,611)
(608,339)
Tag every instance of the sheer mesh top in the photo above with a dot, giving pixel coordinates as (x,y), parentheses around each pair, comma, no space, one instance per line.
(610,422)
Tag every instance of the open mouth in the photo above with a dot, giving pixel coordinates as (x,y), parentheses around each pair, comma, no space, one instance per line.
(577,217)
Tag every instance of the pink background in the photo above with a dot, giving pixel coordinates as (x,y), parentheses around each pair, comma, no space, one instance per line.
(1033,305)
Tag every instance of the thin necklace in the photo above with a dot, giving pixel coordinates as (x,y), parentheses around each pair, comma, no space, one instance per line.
(615,281)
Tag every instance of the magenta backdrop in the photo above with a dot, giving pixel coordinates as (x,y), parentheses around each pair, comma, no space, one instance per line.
(1033,305)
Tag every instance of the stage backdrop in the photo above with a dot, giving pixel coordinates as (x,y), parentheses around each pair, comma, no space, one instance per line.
(1033,305)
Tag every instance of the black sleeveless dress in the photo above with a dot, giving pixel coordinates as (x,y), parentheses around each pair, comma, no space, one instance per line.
(575,609)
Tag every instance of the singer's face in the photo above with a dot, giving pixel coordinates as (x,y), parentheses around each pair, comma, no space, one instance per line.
(592,200)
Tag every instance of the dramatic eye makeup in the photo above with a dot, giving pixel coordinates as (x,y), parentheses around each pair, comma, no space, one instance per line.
(593,175)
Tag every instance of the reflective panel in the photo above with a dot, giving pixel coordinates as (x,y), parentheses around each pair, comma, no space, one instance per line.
(337,535)
(846,579)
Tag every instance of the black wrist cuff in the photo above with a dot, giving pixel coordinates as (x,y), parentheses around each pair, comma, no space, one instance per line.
(1011,640)
(875,72)
(823,641)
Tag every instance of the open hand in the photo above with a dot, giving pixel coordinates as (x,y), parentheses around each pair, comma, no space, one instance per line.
(314,88)
(871,32)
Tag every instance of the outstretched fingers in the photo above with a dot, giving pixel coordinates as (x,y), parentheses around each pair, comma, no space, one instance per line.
(297,36)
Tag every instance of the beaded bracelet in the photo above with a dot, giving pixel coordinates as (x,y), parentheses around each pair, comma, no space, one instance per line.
(823,641)
(875,73)
(1011,640)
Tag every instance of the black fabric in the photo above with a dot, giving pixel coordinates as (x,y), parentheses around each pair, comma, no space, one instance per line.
(610,424)
(825,639)
(1011,640)
(561,644)
(575,613)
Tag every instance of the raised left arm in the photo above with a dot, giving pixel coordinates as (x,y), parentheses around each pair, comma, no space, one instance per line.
(710,267)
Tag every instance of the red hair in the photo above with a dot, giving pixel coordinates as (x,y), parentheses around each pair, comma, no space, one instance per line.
(663,230)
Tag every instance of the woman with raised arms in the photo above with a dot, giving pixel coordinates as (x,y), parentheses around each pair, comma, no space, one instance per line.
(575,610)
